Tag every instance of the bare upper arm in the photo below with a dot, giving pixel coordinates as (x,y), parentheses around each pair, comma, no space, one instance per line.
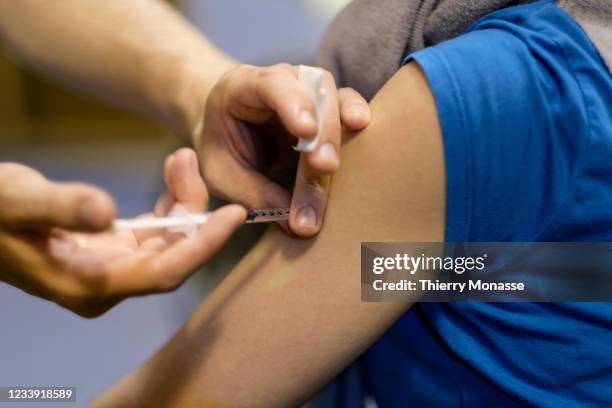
(290,316)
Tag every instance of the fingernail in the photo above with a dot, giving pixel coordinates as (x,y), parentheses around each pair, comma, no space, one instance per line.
(327,153)
(307,217)
(307,118)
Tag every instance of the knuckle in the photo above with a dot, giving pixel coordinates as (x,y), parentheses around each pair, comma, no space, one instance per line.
(236,70)
(246,67)
(265,72)
(222,83)
(329,78)
(243,69)
(225,81)
(284,66)
(273,72)
(346,93)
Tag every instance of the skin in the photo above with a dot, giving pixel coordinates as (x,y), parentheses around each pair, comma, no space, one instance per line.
(289,317)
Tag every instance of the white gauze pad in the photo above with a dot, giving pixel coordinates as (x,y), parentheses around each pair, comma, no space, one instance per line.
(312,79)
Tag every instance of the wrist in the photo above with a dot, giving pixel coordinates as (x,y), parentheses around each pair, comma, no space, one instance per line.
(197,80)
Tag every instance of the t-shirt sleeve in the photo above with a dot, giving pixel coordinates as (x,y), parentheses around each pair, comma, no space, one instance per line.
(514,128)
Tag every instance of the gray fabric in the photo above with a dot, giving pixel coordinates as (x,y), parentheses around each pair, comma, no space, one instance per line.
(366,41)
(595,17)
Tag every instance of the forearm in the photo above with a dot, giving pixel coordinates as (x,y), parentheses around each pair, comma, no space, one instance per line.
(290,316)
(138,54)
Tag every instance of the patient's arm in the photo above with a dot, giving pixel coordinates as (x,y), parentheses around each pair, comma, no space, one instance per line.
(290,316)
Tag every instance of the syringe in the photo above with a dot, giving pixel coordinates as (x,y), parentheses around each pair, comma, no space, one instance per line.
(196,219)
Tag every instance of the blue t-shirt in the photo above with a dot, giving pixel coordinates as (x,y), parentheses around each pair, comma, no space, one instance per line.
(525,105)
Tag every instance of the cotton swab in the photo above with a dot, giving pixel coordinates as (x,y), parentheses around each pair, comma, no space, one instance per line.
(313,81)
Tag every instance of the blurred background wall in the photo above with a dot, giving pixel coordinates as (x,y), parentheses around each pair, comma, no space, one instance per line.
(70,137)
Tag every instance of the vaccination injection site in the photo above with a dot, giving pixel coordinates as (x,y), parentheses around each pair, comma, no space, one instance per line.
(306,203)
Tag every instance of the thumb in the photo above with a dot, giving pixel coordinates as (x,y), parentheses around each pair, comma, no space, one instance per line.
(29,201)
(309,200)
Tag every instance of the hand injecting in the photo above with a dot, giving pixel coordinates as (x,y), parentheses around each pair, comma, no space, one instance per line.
(180,220)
